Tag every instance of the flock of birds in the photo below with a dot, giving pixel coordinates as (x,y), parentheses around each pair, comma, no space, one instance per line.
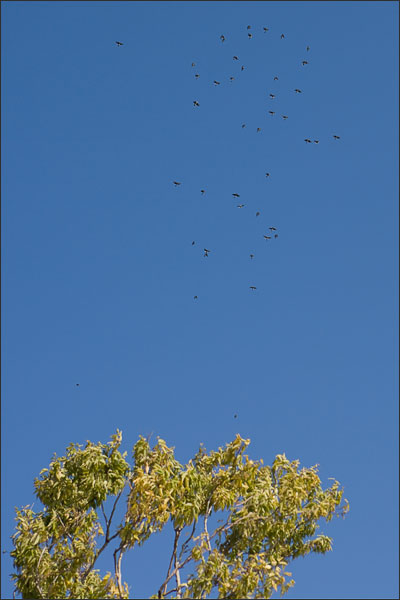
(272,230)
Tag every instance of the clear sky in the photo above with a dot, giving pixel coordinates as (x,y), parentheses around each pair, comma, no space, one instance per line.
(99,272)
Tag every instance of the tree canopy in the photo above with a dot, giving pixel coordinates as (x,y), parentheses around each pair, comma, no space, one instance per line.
(268,516)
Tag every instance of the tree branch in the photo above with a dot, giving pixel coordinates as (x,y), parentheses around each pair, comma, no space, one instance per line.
(117,566)
(107,538)
(163,587)
(185,543)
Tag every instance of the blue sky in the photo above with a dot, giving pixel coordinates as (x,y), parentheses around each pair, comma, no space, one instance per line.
(99,273)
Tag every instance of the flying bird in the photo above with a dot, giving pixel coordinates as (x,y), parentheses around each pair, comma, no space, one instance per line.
(222,38)
(176,183)
(250,35)
(272,228)
(231,78)
(258,129)
(271,112)
(244,125)
(240,205)
(308,47)
(265,29)
(307,141)
(304,62)
(206,252)
(193,243)
(195,103)
(236,195)
(275,78)
(297,91)
(272,95)
(194,297)
(119,43)
(235,58)
(257,214)
(267,174)
(242,68)
(235,416)
(252,287)
(267,237)
(77,384)
(282,36)
(336,137)
(193,64)
(197,75)
(248,26)
(285,117)
(316,141)
(217,82)
(252,256)
(276,235)
(202,191)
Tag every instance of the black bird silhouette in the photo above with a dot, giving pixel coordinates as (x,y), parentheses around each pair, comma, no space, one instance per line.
(336,137)
(242,68)
(193,64)
(77,384)
(275,78)
(265,29)
(251,256)
(304,62)
(267,237)
(252,287)
(194,297)
(202,191)
(244,125)
(282,36)
(197,75)
(250,35)
(231,78)
(235,58)
(285,117)
(272,228)
(257,214)
(176,183)
(271,112)
(236,195)
(193,243)
(235,416)
(258,129)
(272,95)
(217,82)
(248,26)
(276,235)
(308,47)
(222,38)
(206,252)
(307,141)
(195,103)
(316,141)
(267,174)
(119,43)
(297,91)
(240,205)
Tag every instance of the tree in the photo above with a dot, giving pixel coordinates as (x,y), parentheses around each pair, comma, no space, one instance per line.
(269,517)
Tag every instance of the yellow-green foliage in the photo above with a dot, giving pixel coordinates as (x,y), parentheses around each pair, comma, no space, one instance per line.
(270,517)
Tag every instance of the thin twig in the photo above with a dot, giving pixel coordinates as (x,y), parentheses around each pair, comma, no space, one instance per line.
(207,514)
(117,566)
(185,543)
(107,538)
(163,587)
(112,512)
(181,565)
(176,562)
